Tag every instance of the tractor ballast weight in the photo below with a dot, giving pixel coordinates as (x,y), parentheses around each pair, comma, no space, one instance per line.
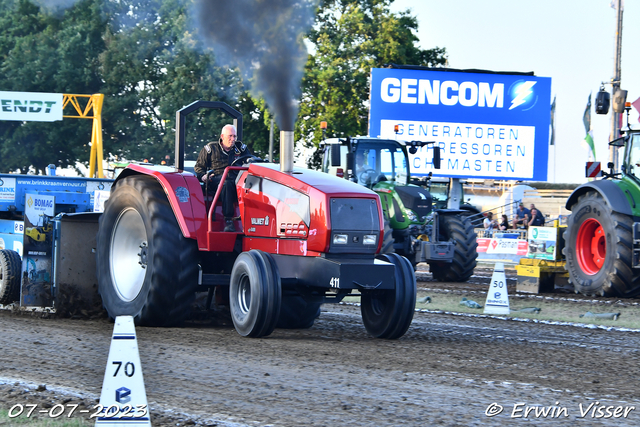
(444,238)
(602,239)
(303,238)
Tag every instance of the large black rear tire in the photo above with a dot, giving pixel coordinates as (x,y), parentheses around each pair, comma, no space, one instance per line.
(146,267)
(599,249)
(10,273)
(388,313)
(255,294)
(459,229)
(387,240)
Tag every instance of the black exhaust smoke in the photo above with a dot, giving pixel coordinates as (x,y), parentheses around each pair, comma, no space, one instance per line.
(263,38)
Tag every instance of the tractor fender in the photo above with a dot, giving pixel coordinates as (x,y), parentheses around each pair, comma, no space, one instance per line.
(610,192)
(183,192)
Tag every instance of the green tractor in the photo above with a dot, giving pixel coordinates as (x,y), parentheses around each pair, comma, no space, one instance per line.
(443,238)
(602,239)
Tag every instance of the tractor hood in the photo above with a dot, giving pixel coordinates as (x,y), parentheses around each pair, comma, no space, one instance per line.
(415,198)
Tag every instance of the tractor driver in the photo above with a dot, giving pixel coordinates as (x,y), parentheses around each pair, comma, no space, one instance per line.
(362,169)
(212,161)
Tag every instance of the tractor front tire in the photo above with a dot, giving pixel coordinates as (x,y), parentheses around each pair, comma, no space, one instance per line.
(255,294)
(146,267)
(10,273)
(388,313)
(599,249)
(459,229)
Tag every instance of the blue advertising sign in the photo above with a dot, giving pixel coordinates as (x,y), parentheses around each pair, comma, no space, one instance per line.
(487,125)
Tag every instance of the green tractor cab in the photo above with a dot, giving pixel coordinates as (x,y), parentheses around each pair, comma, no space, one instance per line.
(602,239)
(444,238)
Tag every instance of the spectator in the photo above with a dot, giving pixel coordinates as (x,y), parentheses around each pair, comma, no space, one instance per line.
(504,224)
(540,214)
(536,218)
(522,216)
(489,224)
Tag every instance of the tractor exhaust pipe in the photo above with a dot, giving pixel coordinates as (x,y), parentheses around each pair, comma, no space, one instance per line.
(286,151)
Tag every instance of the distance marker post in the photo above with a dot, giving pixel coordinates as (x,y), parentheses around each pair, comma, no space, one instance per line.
(123,398)
(497,297)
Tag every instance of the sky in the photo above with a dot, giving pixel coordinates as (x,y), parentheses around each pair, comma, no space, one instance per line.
(570,41)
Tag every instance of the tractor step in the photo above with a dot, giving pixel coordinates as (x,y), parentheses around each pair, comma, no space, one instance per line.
(212,280)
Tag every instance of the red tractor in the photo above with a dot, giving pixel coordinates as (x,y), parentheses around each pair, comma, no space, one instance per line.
(303,238)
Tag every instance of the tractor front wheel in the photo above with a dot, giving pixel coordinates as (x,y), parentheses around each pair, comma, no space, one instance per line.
(458,229)
(146,267)
(255,294)
(599,249)
(388,313)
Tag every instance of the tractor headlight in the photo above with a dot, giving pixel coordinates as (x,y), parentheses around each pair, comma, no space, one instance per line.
(340,239)
(369,239)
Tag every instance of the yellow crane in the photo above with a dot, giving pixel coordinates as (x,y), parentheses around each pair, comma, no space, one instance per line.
(88,107)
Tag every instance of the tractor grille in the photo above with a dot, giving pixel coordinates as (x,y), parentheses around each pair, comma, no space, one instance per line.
(353,222)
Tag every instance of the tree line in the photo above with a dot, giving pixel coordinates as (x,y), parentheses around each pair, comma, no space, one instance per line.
(146,57)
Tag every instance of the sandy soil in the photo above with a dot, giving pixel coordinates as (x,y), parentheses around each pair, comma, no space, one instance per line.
(447,370)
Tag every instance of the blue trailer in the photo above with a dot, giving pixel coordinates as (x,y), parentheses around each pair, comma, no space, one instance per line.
(32,249)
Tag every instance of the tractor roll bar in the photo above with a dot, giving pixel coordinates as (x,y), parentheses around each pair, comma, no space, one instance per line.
(181,119)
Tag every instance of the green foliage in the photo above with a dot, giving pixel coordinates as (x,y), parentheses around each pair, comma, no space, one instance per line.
(145,57)
(350,38)
(41,53)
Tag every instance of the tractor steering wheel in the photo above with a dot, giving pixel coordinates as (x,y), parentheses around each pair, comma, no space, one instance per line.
(366,176)
(246,158)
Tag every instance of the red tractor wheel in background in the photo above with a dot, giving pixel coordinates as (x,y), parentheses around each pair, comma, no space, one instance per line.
(146,268)
(599,249)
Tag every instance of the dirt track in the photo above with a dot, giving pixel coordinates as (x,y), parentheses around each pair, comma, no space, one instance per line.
(447,370)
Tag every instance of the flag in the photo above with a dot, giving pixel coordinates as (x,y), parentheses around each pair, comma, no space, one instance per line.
(636,105)
(553,124)
(614,4)
(586,119)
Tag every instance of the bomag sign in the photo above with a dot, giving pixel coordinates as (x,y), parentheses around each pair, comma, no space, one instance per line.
(487,125)
(31,106)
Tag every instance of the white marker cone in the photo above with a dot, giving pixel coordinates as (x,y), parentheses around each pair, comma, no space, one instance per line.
(497,297)
(123,397)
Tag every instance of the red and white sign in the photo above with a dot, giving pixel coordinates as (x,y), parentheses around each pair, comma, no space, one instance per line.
(502,246)
(593,169)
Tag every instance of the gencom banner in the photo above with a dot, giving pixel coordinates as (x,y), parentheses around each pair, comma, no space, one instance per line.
(487,125)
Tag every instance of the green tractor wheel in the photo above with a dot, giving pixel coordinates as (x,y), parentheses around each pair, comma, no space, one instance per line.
(459,229)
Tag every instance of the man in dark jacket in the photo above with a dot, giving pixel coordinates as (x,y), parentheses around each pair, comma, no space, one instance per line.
(212,161)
